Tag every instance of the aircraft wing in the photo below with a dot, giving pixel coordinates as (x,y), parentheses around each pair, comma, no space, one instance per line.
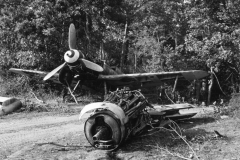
(31,73)
(151,79)
(135,80)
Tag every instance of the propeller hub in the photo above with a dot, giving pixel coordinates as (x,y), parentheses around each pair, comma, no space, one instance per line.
(71,56)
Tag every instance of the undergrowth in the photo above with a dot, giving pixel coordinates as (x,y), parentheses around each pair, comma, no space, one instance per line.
(234,106)
(40,96)
(172,142)
(231,108)
(45,96)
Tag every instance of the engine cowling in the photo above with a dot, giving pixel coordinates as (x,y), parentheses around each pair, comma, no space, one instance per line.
(121,115)
(105,124)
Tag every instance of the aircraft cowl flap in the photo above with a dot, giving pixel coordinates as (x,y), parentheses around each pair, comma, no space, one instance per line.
(196,74)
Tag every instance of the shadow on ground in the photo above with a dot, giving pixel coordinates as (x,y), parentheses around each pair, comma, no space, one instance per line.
(190,123)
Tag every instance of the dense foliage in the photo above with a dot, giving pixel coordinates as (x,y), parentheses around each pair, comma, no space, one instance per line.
(154,35)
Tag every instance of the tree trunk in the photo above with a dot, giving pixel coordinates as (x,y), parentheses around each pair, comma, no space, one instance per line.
(210,87)
(124,45)
(198,87)
(87,27)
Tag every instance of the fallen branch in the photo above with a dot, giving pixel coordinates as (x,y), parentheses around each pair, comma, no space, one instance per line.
(179,135)
(183,138)
(173,154)
(60,145)
(36,97)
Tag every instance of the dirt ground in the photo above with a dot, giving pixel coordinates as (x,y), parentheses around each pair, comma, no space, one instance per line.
(54,135)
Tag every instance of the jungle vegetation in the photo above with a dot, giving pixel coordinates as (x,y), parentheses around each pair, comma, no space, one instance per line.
(135,35)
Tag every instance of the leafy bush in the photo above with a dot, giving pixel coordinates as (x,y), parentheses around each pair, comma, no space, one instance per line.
(232,108)
(13,86)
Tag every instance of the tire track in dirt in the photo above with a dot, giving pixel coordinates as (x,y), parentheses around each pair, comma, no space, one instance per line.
(22,124)
(19,135)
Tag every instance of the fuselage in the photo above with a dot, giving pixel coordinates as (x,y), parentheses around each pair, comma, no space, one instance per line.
(72,74)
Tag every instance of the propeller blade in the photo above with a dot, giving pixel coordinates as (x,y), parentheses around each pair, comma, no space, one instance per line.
(50,74)
(92,66)
(72,37)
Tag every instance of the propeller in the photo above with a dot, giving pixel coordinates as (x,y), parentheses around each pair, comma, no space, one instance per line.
(72,56)
(72,37)
(50,74)
(92,66)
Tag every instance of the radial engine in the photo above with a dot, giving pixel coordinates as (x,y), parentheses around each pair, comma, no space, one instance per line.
(121,115)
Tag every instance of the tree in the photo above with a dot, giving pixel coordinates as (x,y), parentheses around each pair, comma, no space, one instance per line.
(154,35)
(214,37)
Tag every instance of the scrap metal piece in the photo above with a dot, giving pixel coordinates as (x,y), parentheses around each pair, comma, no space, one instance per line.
(124,114)
(9,105)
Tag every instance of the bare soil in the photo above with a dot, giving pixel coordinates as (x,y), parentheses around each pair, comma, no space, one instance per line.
(54,135)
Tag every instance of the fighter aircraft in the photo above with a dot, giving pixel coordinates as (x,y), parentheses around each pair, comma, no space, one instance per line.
(123,113)
(77,70)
